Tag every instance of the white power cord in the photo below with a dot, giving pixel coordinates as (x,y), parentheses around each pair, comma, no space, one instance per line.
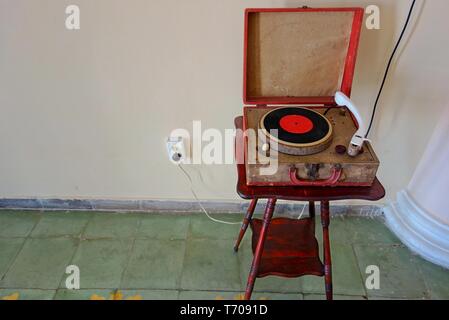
(302,212)
(199,202)
(205,211)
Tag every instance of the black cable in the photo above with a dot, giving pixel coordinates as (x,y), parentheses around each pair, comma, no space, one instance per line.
(388,66)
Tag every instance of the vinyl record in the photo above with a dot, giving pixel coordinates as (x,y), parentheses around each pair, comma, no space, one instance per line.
(296,131)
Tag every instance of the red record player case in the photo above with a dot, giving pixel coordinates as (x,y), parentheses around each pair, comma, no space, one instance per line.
(321,46)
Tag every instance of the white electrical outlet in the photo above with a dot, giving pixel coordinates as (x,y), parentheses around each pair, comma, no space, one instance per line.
(176,149)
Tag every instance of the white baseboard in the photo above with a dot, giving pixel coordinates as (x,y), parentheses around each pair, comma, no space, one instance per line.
(418,230)
(179,206)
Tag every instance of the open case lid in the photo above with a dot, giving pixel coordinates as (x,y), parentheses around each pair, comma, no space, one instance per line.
(299,56)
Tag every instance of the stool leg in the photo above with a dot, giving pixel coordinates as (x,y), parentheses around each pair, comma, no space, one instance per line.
(259,249)
(311,209)
(312,214)
(327,250)
(246,221)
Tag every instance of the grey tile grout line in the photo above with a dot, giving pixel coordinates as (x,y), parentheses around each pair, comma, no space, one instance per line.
(303,294)
(393,245)
(13,261)
(239,260)
(26,238)
(79,239)
(358,268)
(240,293)
(186,242)
(428,294)
(160,289)
(187,290)
(113,238)
(217,290)
(130,252)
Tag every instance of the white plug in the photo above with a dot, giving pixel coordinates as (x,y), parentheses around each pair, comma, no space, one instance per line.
(176,149)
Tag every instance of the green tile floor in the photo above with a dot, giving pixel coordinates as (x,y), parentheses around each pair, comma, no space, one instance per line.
(168,256)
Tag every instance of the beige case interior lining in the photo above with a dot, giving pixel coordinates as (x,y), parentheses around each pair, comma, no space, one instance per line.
(296,54)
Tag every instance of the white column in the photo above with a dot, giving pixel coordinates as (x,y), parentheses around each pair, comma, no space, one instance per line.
(420,217)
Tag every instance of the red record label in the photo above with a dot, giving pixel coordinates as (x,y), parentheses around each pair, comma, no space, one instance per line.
(296,124)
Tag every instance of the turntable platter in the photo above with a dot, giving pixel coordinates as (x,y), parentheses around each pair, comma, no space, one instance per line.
(296,130)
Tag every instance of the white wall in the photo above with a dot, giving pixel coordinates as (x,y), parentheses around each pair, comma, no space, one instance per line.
(85,113)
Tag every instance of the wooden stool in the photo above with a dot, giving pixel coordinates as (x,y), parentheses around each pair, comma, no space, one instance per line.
(291,249)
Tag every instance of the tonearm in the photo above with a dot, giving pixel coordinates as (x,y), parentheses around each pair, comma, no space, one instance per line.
(359,137)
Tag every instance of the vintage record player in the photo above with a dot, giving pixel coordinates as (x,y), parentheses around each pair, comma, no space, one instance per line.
(298,71)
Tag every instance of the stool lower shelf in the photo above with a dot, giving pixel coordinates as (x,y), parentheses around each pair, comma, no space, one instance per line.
(290,250)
